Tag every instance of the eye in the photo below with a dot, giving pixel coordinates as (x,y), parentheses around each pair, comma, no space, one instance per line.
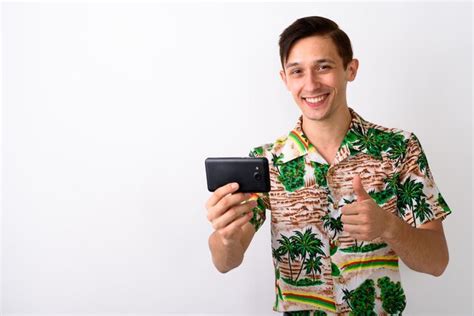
(324,67)
(295,71)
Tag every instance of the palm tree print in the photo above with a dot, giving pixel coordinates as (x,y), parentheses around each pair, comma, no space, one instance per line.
(313,264)
(335,271)
(287,248)
(259,213)
(392,182)
(393,296)
(382,197)
(408,192)
(443,204)
(306,243)
(277,253)
(423,164)
(259,151)
(292,174)
(362,299)
(320,173)
(277,161)
(256,152)
(305,247)
(347,201)
(333,224)
(422,210)
(390,190)
(361,248)
(398,148)
(422,161)
(279,295)
(412,198)
(374,142)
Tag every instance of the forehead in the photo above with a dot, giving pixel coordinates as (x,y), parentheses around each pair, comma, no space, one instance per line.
(311,48)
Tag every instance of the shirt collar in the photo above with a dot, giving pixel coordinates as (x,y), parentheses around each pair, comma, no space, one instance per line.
(297,144)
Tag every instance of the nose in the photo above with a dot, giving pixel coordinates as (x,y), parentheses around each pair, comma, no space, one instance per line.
(312,82)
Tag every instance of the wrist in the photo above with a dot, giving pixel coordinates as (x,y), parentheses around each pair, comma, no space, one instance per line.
(392,228)
(229,242)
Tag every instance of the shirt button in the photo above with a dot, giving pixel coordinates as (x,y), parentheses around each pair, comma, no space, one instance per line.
(341,279)
(337,243)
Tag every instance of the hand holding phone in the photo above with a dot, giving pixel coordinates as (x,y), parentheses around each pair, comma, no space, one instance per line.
(228,211)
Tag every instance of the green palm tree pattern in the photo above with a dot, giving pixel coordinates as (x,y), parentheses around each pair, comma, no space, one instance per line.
(335,271)
(313,265)
(382,197)
(278,294)
(292,174)
(320,172)
(319,268)
(332,224)
(361,300)
(422,161)
(361,248)
(374,142)
(306,244)
(259,211)
(408,193)
(306,248)
(443,204)
(393,296)
(287,247)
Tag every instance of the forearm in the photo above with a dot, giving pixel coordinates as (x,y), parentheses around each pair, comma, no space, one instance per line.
(422,250)
(225,257)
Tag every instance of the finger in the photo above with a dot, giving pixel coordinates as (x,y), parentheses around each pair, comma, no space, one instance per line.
(359,190)
(351,219)
(350,209)
(232,214)
(220,193)
(236,225)
(352,229)
(231,230)
(226,203)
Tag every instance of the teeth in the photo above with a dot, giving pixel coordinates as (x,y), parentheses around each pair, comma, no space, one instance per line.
(315,100)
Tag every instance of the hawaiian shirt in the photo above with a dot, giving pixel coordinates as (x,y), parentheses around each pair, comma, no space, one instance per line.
(318,266)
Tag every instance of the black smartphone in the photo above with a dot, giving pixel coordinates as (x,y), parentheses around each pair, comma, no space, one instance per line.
(251,174)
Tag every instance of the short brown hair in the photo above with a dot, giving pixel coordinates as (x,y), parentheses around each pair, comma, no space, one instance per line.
(315,25)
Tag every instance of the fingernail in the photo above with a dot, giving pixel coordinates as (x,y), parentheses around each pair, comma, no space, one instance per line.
(234,185)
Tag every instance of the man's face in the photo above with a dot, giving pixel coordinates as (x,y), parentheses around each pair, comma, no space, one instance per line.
(315,76)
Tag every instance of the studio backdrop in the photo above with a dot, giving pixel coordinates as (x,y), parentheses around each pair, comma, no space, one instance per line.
(109,111)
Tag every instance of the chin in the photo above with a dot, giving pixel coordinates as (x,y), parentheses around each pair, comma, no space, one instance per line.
(315,115)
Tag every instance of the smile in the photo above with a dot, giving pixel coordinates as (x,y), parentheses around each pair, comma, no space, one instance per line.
(315,101)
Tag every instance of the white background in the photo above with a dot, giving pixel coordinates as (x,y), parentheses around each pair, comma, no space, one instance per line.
(109,111)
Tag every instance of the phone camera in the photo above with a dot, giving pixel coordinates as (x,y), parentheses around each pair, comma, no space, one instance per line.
(257,176)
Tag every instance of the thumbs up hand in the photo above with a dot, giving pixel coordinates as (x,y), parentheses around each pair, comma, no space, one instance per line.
(364,219)
(359,190)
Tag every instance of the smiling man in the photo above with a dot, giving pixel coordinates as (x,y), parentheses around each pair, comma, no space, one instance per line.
(348,198)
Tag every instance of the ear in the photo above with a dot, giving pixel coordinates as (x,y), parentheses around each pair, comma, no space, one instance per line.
(283,77)
(351,71)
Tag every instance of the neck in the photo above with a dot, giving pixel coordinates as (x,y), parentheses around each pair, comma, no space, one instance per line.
(330,132)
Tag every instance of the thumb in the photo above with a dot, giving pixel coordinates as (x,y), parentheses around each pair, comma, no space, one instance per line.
(359,190)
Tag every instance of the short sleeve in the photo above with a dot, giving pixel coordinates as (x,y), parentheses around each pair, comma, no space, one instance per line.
(418,198)
(263,199)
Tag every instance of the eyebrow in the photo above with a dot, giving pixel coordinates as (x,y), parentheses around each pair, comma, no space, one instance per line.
(318,61)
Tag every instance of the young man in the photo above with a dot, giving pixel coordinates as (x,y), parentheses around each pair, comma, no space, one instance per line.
(348,197)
